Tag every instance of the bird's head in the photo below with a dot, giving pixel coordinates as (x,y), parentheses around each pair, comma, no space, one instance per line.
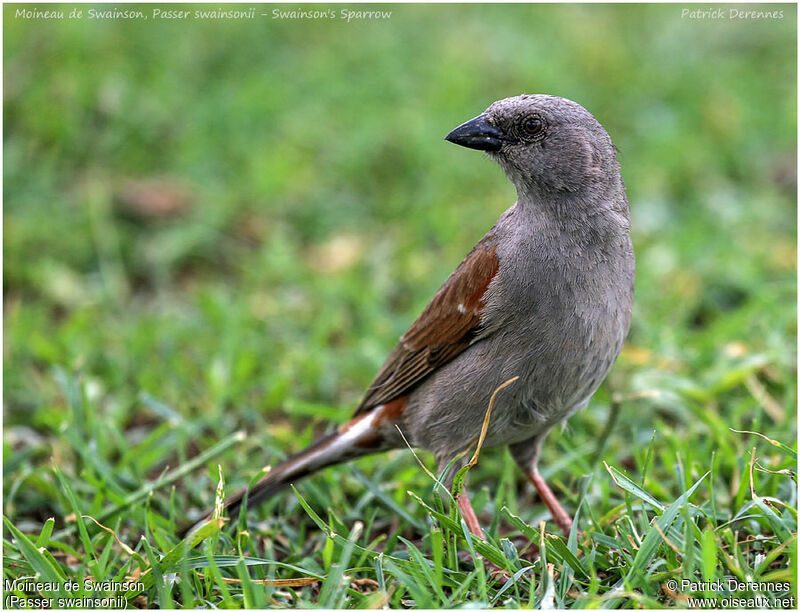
(545,144)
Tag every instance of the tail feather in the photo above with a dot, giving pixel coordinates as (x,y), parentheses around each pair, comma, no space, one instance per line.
(354,439)
(323,453)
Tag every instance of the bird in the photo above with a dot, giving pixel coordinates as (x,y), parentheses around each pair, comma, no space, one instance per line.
(544,298)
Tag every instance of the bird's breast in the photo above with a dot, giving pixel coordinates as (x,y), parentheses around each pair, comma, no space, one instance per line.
(568,312)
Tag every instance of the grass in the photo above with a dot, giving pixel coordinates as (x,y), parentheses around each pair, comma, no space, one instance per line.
(223,227)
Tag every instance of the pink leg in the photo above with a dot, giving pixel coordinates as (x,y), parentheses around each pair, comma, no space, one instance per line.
(469,516)
(475,529)
(526,454)
(560,516)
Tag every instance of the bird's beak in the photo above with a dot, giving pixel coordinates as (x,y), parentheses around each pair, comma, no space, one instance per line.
(477,133)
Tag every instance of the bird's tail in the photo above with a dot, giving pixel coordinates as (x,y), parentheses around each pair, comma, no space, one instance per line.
(355,438)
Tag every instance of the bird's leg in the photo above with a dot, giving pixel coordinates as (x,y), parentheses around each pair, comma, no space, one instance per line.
(469,516)
(460,495)
(464,505)
(560,516)
(526,454)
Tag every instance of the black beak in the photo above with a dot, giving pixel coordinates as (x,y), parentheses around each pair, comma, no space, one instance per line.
(477,133)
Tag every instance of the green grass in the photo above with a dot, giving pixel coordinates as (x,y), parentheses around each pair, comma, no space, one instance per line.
(321,209)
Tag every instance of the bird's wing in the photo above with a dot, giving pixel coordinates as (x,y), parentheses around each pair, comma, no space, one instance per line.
(448,325)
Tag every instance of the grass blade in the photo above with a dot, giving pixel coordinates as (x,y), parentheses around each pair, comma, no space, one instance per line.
(653,539)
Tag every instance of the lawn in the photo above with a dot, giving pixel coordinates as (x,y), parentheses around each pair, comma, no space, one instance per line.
(215,230)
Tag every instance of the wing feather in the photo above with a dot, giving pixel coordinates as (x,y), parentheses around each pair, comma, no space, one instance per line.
(447,326)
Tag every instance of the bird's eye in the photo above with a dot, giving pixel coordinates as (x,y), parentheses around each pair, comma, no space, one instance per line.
(533,125)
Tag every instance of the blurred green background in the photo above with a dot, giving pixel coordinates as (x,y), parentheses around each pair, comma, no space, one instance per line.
(222,225)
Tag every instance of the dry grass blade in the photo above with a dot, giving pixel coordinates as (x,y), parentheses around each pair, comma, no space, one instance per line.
(667,541)
(763,397)
(422,465)
(122,544)
(278,582)
(486,419)
(785,449)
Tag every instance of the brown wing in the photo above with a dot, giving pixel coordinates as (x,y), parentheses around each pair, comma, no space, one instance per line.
(445,328)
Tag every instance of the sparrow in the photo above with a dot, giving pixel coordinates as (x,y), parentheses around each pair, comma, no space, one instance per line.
(544,296)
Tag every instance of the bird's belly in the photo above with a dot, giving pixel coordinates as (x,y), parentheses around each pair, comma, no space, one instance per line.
(559,368)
